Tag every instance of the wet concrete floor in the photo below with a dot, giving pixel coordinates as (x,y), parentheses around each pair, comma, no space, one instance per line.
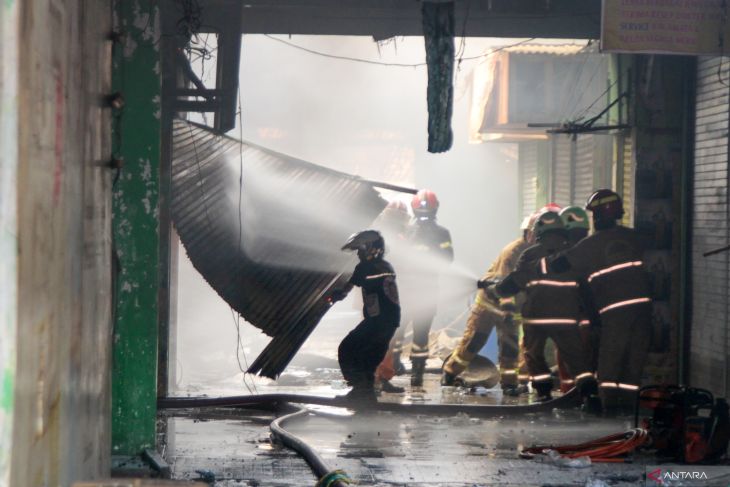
(385,449)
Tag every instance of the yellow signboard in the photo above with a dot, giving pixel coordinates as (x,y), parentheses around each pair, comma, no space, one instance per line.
(666,26)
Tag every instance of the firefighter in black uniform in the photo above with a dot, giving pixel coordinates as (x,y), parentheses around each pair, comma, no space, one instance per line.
(552,309)
(364,347)
(432,251)
(610,261)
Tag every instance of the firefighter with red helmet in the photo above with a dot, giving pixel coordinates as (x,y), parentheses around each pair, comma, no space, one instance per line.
(610,261)
(430,249)
(486,315)
(364,347)
(551,311)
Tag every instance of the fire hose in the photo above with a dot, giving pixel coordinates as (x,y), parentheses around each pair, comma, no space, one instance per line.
(338,478)
(609,449)
(327,477)
(569,399)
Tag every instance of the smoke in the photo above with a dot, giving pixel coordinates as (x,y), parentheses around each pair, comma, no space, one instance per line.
(365,120)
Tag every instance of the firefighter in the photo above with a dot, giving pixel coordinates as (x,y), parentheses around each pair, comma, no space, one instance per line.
(551,310)
(610,261)
(577,224)
(431,250)
(485,315)
(364,347)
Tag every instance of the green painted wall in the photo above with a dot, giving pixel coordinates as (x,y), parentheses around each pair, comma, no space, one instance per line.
(136,137)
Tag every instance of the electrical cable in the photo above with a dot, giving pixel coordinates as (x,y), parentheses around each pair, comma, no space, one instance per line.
(381,63)
(585,112)
(239,344)
(580,95)
(570,108)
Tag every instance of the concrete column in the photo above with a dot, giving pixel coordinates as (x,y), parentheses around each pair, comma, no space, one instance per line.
(136,138)
(8,226)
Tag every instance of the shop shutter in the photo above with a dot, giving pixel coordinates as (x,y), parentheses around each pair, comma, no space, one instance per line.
(708,357)
(528,162)
(583,169)
(561,164)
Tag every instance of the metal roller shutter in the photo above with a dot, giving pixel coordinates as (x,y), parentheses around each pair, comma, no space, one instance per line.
(562,177)
(528,162)
(710,228)
(583,169)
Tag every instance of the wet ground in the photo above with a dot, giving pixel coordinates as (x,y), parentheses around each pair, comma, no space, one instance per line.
(234,447)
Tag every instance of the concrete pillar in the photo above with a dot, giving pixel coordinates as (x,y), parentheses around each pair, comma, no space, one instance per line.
(8,226)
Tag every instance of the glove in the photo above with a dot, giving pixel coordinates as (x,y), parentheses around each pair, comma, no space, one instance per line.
(337,295)
(491,292)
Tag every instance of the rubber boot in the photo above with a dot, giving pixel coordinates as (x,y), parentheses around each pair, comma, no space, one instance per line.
(387,386)
(448,379)
(592,405)
(543,391)
(418,366)
(398,366)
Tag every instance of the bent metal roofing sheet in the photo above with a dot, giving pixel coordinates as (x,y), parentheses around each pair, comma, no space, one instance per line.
(265,231)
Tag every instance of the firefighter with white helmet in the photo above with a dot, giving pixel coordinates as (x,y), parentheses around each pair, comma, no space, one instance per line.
(486,315)
(610,261)
(551,310)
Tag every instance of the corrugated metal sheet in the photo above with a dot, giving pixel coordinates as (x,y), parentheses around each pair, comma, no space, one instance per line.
(528,167)
(562,176)
(552,49)
(276,264)
(583,169)
(709,364)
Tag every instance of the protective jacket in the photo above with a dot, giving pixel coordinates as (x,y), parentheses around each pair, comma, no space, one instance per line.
(505,263)
(379,291)
(430,250)
(430,238)
(550,300)
(611,263)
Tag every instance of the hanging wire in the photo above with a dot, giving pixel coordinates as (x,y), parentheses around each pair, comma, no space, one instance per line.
(598,98)
(574,109)
(239,343)
(381,63)
(462,44)
(571,107)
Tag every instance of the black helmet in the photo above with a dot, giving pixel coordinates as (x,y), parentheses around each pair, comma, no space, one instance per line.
(605,205)
(368,243)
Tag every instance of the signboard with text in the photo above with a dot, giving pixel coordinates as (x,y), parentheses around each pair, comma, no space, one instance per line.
(691,27)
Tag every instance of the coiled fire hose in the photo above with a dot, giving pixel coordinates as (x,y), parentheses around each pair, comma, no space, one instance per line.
(609,449)
(327,477)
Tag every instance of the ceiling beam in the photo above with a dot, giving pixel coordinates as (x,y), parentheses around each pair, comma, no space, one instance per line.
(575,19)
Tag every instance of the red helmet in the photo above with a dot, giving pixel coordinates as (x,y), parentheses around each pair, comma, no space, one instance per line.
(605,205)
(550,207)
(425,203)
